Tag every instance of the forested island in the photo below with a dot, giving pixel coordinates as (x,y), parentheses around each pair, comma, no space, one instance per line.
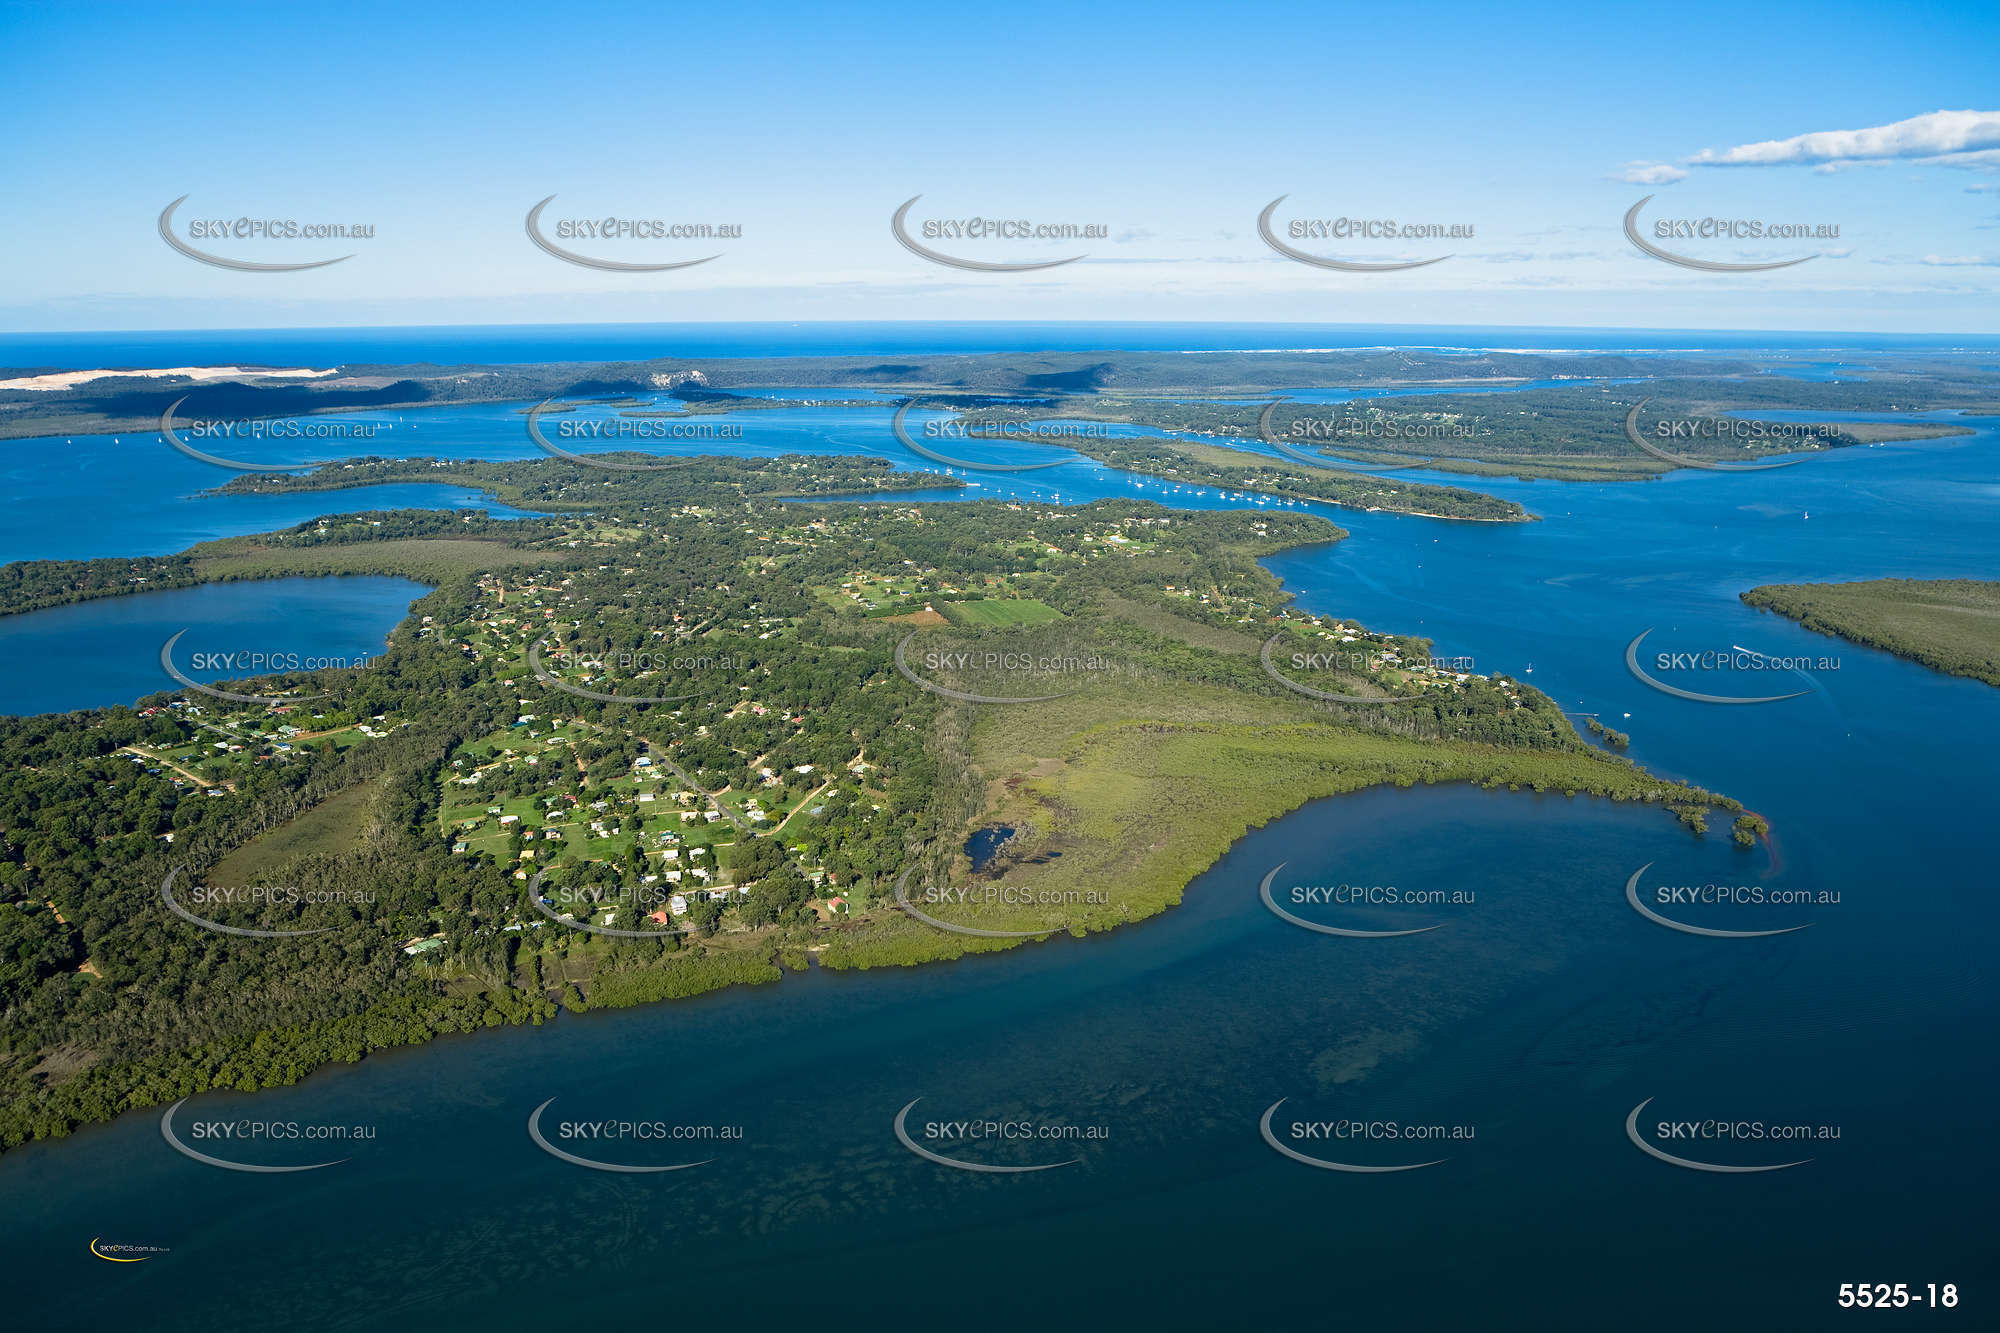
(684,730)
(1952,625)
(1555,415)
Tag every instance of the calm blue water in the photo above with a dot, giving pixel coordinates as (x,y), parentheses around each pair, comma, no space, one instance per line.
(985,843)
(1539,1015)
(96,495)
(92,654)
(502,344)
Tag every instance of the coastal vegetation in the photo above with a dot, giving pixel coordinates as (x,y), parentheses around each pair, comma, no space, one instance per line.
(1951,625)
(673,706)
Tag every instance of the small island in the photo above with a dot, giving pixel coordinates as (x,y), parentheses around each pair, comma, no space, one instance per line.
(1952,625)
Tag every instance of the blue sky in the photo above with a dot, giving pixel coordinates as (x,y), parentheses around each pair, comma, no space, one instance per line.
(1170,126)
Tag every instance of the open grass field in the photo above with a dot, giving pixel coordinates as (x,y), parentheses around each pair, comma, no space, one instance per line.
(335,825)
(1009,611)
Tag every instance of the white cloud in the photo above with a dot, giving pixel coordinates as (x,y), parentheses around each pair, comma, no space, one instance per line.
(1649,173)
(1954,136)
(1960,261)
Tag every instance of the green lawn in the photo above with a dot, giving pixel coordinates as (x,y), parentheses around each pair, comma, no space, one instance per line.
(994,611)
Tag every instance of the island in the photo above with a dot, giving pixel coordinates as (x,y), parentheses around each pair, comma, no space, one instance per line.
(1951,625)
(1560,415)
(685,728)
